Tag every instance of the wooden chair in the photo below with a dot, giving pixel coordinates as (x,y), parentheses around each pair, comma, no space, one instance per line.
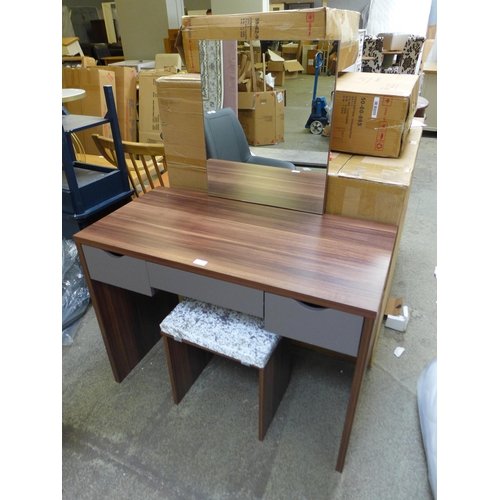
(146,163)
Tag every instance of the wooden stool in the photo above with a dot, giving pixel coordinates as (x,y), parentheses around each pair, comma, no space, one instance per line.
(195,330)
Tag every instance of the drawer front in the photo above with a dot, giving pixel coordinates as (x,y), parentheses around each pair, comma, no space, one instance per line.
(220,293)
(334,330)
(118,270)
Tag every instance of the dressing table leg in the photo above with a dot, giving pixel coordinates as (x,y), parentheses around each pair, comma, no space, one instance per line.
(273,382)
(185,364)
(359,371)
(129,323)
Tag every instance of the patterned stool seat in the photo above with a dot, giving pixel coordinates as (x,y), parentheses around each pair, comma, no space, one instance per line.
(222,331)
(195,330)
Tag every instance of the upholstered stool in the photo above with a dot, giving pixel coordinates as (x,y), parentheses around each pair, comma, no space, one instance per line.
(195,330)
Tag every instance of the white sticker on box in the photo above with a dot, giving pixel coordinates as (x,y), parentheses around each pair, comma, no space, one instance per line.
(376,103)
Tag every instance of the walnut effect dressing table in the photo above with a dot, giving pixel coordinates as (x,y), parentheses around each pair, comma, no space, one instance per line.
(318,279)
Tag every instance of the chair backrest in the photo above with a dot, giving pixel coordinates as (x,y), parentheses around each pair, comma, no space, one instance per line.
(224,136)
(146,163)
(100,50)
(411,54)
(372,48)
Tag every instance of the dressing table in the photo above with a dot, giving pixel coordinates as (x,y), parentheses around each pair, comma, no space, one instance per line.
(318,279)
(312,277)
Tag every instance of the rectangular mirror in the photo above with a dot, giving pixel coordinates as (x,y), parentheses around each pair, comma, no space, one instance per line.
(300,190)
(307,100)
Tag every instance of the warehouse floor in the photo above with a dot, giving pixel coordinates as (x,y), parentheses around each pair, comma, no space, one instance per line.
(129,441)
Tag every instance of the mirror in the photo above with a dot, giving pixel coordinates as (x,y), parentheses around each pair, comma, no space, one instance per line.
(308,151)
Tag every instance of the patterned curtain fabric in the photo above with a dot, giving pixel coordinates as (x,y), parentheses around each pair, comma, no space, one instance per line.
(212,74)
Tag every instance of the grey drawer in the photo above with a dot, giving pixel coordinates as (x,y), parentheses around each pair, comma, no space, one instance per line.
(220,293)
(334,330)
(118,270)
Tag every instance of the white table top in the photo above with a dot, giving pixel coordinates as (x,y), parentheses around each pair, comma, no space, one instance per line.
(72,94)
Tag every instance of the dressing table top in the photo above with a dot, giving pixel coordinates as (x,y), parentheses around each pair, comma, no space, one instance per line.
(327,260)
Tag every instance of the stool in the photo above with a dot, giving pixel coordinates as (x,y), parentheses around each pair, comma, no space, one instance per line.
(195,330)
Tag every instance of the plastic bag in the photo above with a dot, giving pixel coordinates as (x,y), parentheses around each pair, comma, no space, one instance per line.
(75,293)
(427,410)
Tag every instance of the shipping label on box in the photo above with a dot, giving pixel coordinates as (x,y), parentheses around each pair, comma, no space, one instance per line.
(372,113)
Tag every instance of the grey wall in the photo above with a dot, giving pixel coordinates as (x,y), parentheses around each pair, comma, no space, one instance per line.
(143,26)
(197,5)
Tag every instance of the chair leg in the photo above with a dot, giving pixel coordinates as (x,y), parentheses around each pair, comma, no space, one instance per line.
(185,364)
(273,382)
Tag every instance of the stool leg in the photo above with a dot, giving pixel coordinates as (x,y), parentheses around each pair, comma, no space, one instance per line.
(273,382)
(185,364)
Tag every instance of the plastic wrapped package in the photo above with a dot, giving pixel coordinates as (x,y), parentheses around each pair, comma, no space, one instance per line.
(75,293)
(427,411)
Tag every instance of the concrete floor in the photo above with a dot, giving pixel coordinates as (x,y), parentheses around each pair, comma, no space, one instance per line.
(129,441)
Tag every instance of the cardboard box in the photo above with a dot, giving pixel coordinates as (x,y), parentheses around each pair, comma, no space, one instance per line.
(311,61)
(137,64)
(78,61)
(188,177)
(305,53)
(281,69)
(394,306)
(181,113)
(163,61)
(373,188)
(262,116)
(92,80)
(372,113)
(126,101)
(149,110)
(304,24)
(376,189)
(289,51)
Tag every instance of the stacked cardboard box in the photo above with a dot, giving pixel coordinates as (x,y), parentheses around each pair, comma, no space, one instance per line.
(78,61)
(305,24)
(372,113)
(262,116)
(149,110)
(126,101)
(261,109)
(370,187)
(376,189)
(282,69)
(92,80)
(181,114)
